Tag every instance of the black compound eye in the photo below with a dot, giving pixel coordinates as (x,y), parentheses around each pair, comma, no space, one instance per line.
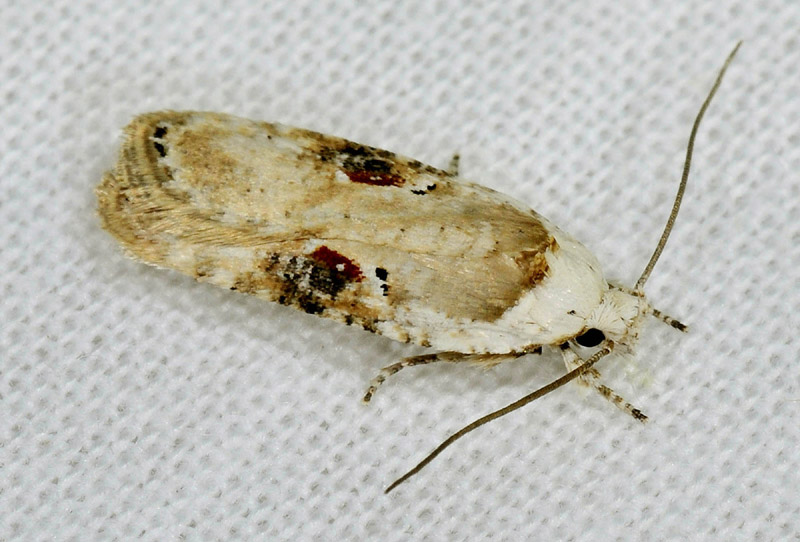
(591,337)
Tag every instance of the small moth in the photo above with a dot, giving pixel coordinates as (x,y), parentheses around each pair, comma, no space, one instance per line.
(372,239)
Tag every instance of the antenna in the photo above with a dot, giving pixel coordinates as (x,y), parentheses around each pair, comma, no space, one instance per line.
(597,356)
(685,176)
(519,403)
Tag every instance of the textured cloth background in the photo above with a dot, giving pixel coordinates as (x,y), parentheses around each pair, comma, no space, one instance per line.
(138,404)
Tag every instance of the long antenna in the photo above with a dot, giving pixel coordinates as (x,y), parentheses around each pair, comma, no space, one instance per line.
(575,373)
(544,390)
(685,177)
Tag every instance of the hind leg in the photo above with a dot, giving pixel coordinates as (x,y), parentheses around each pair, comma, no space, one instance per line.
(486,360)
(452,168)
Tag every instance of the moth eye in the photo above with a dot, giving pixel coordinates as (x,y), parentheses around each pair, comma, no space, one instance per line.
(591,337)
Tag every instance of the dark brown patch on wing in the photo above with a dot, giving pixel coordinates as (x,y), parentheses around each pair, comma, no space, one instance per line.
(363,164)
(158,136)
(334,260)
(382,275)
(374,178)
(312,284)
(534,267)
(429,188)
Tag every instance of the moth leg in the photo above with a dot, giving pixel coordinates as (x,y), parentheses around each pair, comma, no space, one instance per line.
(592,378)
(452,168)
(483,359)
(389,370)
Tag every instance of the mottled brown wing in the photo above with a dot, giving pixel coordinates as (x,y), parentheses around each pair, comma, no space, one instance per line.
(329,226)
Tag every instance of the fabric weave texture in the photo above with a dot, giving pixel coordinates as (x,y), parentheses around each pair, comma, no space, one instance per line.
(138,404)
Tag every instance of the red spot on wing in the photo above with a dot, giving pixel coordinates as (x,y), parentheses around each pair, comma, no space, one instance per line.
(334,260)
(376,178)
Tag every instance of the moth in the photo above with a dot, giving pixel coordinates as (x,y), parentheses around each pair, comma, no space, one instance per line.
(371,239)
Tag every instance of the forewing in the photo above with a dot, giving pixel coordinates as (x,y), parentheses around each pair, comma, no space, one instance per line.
(329,226)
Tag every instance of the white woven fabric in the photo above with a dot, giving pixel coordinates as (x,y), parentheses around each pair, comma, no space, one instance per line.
(137,404)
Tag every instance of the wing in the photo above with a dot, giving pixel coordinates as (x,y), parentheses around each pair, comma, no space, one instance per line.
(328,226)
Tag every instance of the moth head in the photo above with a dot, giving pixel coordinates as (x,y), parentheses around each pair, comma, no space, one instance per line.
(614,322)
(616,319)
